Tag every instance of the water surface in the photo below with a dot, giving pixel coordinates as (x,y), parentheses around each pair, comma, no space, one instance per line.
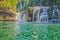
(28,31)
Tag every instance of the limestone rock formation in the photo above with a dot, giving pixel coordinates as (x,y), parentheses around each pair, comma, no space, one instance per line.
(7,14)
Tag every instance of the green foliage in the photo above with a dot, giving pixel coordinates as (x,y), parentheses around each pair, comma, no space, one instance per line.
(23,4)
(44,2)
(13,4)
(9,3)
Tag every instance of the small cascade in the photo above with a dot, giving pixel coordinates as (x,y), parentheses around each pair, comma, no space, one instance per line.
(56,12)
(21,17)
(40,17)
(36,12)
(44,15)
(55,15)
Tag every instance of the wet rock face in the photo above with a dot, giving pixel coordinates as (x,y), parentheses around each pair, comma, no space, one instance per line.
(7,15)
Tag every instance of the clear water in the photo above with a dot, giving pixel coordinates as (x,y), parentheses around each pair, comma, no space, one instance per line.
(28,31)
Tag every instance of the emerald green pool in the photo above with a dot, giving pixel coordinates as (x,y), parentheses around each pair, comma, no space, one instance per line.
(28,31)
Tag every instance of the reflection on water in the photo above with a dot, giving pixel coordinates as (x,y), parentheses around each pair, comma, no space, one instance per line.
(6,30)
(28,31)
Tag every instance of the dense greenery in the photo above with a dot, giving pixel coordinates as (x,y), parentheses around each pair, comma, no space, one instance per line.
(28,5)
(45,2)
(9,3)
(24,4)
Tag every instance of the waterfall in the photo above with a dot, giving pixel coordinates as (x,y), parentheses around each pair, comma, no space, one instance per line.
(40,17)
(56,12)
(55,15)
(36,11)
(44,15)
(21,17)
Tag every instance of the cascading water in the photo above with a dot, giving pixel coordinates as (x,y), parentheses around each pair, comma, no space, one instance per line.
(36,11)
(21,17)
(56,14)
(40,17)
(44,15)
